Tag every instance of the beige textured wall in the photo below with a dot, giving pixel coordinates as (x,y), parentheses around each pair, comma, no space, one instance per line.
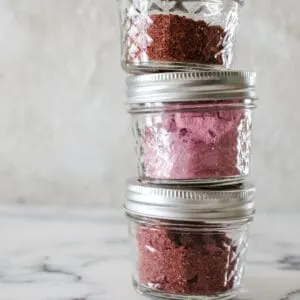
(63,123)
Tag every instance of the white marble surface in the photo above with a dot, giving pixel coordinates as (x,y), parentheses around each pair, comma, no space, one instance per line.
(81,254)
(64,129)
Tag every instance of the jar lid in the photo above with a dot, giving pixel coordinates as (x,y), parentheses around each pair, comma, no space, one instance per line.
(189,203)
(191,86)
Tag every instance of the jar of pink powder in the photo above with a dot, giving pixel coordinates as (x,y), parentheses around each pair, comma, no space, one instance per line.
(192,127)
(188,243)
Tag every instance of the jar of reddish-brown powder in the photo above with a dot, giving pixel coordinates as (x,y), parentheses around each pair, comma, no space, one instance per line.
(192,127)
(188,243)
(160,35)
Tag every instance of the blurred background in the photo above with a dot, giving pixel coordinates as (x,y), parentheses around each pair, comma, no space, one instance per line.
(64,130)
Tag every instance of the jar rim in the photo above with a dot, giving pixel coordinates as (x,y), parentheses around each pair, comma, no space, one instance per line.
(190,202)
(193,225)
(191,86)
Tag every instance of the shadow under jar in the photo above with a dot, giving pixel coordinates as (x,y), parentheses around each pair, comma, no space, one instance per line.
(192,127)
(188,243)
(160,35)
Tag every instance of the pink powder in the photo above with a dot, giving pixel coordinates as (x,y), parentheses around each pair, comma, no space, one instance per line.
(194,145)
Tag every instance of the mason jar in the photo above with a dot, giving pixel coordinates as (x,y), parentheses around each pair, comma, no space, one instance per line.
(188,243)
(192,127)
(160,35)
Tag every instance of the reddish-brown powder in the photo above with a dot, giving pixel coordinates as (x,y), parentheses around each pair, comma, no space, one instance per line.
(179,39)
(186,263)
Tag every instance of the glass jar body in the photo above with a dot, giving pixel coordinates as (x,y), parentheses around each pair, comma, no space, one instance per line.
(160,35)
(198,142)
(188,260)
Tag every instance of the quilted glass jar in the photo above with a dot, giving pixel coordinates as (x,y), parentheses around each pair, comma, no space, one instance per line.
(188,243)
(192,127)
(160,35)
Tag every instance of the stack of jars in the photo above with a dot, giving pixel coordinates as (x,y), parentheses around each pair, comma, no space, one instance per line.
(190,208)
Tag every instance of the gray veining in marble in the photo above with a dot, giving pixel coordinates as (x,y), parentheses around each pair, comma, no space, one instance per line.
(81,254)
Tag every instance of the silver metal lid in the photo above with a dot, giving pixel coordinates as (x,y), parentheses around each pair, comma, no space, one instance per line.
(191,86)
(189,203)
